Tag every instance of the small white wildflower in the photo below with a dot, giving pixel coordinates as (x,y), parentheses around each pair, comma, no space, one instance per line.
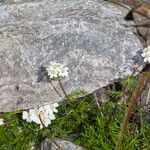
(146,54)
(56,65)
(34,115)
(41,126)
(48,109)
(1,122)
(63,72)
(55,70)
(52,117)
(55,105)
(45,118)
(52,72)
(26,116)
(42,115)
(51,108)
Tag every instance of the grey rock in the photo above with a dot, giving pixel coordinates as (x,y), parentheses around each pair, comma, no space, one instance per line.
(88,36)
(143,23)
(47,144)
(146,1)
(131,24)
(125,9)
(146,98)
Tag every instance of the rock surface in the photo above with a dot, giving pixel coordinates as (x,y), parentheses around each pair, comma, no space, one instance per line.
(125,9)
(88,36)
(63,144)
(143,22)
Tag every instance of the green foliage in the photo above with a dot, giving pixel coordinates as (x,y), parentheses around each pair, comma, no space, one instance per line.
(17,134)
(93,127)
(97,128)
(114,93)
(130,82)
(77,94)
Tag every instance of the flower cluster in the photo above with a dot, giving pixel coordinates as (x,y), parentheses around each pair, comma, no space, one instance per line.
(42,115)
(1,122)
(146,54)
(56,70)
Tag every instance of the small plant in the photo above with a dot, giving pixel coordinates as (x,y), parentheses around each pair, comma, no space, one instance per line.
(42,115)
(55,72)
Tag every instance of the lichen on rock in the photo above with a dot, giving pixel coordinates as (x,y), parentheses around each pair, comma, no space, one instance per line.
(89,37)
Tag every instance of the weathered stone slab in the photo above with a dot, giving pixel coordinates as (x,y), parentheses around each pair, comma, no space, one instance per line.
(47,144)
(88,36)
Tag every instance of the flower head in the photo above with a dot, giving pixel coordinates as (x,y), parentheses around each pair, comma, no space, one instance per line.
(56,70)
(26,116)
(34,115)
(42,115)
(63,72)
(146,54)
(1,122)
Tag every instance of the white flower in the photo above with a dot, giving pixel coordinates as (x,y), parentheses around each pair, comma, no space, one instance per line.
(26,116)
(1,122)
(42,115)
(146,54)
(55,70)
(54,106)
(51,108)
(52,117)
(41,126)
(55,64)
(63,72)
(45,118)
(52,72)
(34,115)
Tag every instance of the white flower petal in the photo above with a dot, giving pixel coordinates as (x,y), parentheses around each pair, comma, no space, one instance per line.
(41,115)
(24,115)
(55,110)
(146,54)
(1,122)
(55,105)
(52,117)
(55,70)
(145,59)
(41,126)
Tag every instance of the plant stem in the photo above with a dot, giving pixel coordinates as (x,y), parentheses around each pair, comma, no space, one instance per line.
(52,139)
(142,81)
(63,89)
(66,96)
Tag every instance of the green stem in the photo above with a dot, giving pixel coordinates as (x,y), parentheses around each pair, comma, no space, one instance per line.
(63,89)
(66,96)
(52,139)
